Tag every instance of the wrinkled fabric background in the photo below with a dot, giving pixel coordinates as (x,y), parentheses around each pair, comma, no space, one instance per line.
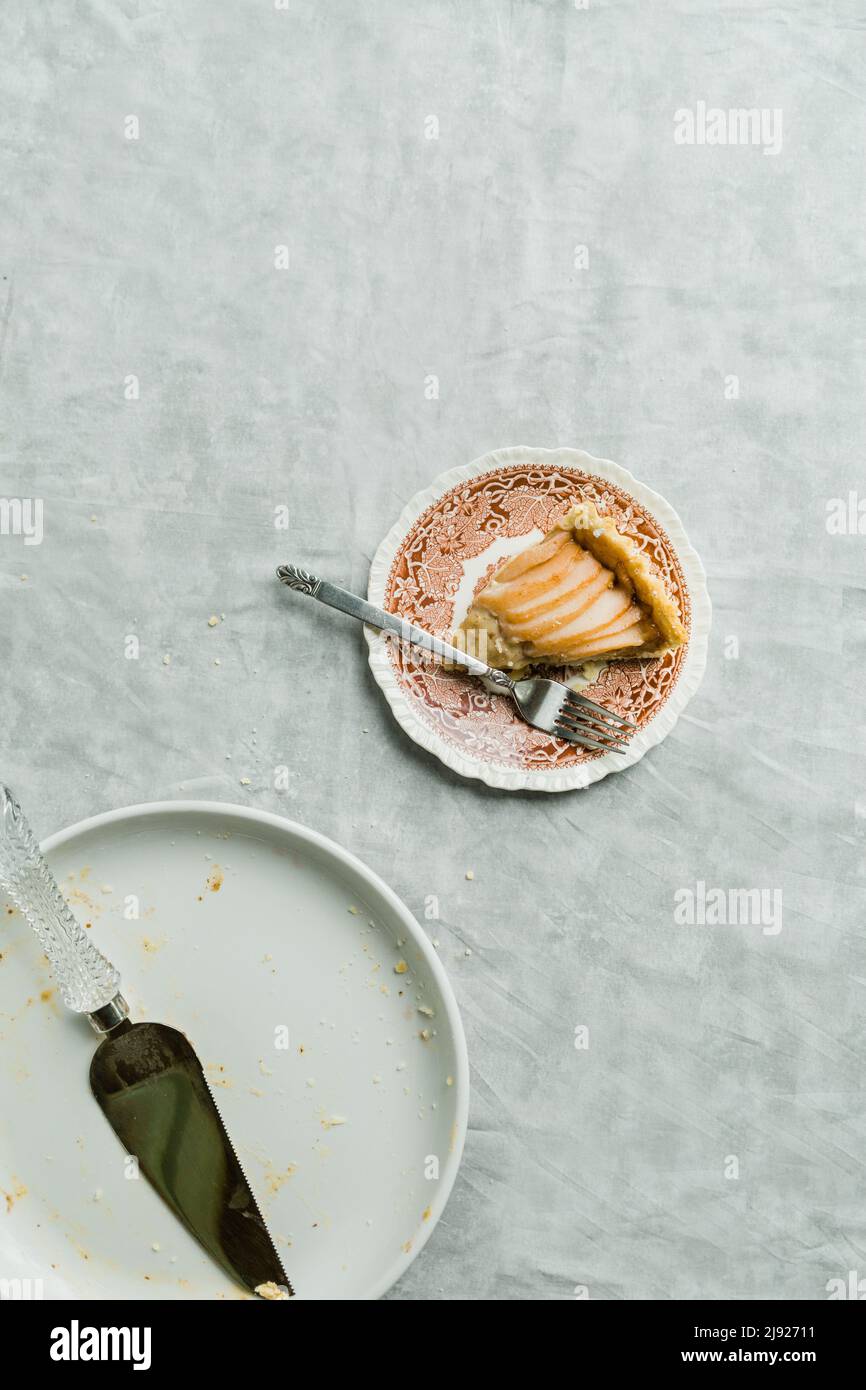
(411,257)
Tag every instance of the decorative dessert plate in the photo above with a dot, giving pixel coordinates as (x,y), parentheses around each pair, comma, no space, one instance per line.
(341,1075)
(439,556)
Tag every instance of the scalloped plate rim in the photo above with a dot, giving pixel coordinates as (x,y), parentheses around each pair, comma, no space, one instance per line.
(584,774)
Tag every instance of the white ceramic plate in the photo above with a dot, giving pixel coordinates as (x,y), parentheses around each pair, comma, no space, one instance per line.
(436,556)
(247,923)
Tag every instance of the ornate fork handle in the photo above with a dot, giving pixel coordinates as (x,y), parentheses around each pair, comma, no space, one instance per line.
(300,580)
(88,982)
(335,597)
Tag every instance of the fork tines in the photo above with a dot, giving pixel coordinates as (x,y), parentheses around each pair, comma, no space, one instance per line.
(579,704)
(581,721)
(587,735)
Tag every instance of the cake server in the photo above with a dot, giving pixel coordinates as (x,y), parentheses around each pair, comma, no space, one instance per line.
(146,1078)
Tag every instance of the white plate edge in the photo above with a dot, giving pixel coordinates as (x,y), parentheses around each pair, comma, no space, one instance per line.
(451,1167)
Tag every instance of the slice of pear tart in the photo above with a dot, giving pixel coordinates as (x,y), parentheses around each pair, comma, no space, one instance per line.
(585,592)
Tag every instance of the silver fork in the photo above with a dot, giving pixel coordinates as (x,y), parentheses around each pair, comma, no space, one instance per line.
(547,705)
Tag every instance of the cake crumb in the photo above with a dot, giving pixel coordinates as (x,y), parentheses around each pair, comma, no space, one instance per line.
(275,1293)
(470,874)
(400,968)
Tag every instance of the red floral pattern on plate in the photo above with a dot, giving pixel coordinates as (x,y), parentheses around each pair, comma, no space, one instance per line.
(426,574)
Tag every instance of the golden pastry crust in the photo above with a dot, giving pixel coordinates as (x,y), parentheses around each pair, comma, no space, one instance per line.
(660,625)
(617,552)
